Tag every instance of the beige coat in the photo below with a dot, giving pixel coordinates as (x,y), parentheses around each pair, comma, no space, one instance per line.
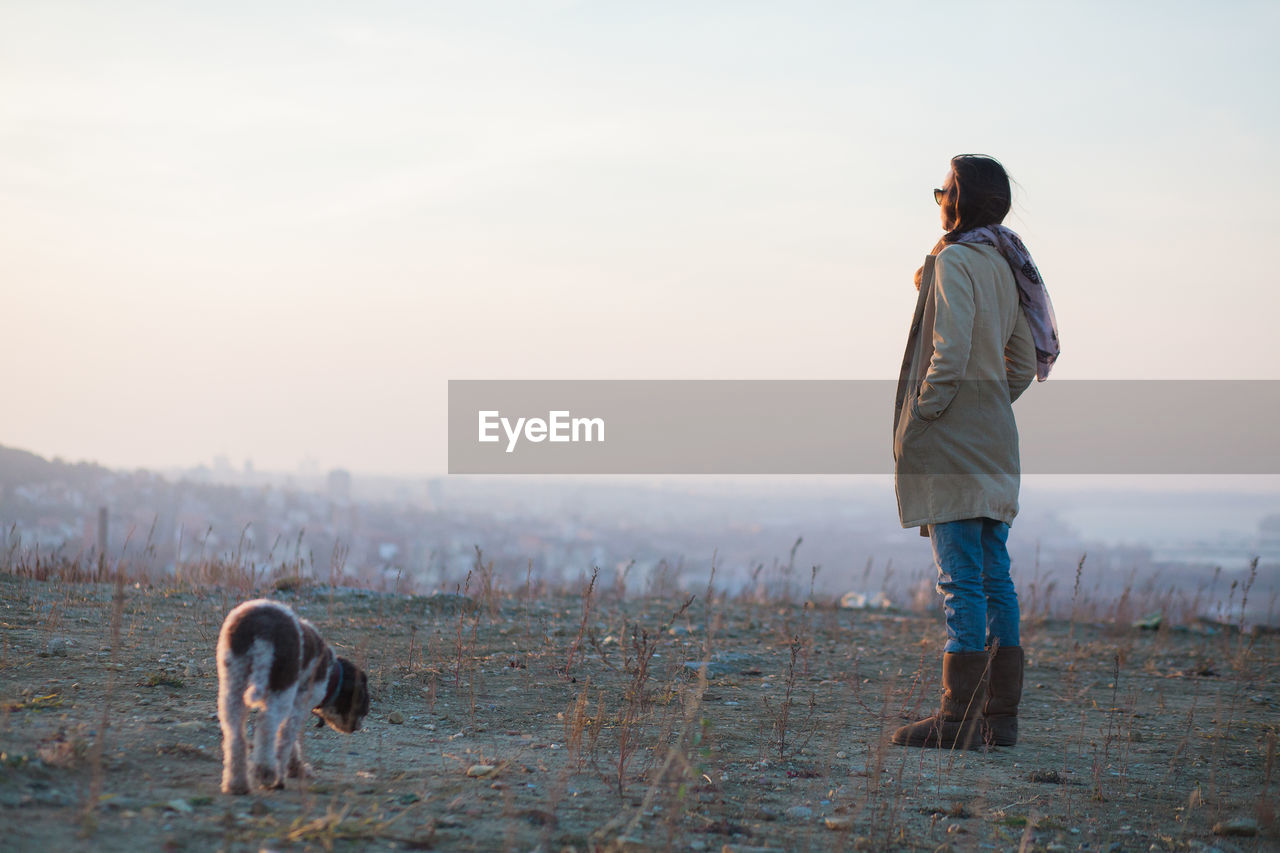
(969,356)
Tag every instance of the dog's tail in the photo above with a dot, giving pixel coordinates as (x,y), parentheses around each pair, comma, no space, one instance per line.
(253,694)
(244,675)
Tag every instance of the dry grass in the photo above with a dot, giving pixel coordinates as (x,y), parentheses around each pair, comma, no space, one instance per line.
(657,722)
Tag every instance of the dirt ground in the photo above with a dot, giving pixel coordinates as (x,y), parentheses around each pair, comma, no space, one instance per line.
(530,721)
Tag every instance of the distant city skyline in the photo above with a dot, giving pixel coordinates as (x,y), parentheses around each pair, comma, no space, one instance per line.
(427,530)
(1158,512)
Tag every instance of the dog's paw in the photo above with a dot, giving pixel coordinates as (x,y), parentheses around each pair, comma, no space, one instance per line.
(267,777)
(235,786)
(301,770)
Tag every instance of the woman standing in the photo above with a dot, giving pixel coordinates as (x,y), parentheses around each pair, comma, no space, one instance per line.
(983,327)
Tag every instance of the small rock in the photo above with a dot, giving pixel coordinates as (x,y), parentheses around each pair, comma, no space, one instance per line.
(57,646)
(1240,827)
(194,670)
(259,808)
(179,805)
(714,668)
(629,844)
(1150,622)
(799,812)
(449,821)
(395,718)
(479,771)
(842,754)
(838,822)
(854,600)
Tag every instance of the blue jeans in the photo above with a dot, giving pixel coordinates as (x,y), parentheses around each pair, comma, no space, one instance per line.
(973,576)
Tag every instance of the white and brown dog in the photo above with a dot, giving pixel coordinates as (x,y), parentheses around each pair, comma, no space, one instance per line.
(272,660)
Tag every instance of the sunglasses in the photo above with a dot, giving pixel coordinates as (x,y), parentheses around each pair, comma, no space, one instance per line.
(938,195)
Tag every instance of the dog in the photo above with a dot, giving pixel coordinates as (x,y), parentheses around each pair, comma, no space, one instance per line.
(272,660)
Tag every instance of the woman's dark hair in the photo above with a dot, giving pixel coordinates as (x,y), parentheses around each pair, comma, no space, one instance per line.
(982,192)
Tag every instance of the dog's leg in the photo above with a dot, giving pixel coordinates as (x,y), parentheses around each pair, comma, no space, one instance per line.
(291,744)
(268,768)
(232,715)
(284,725)
(298,767)
(303,702)
(264,774)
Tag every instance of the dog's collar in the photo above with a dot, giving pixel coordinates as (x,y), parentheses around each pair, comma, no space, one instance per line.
(335,683)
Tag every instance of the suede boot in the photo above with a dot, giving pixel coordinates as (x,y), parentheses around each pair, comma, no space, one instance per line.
(958,721)
(1000,727)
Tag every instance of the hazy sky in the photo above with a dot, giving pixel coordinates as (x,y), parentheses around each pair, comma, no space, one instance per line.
(275,231)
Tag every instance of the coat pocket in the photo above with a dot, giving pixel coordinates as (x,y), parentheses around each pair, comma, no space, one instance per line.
(910,428)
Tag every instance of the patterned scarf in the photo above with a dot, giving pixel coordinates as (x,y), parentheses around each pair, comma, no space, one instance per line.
(1032,294)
